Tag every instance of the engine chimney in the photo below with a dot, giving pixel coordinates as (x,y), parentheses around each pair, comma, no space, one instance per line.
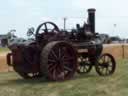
(91,19)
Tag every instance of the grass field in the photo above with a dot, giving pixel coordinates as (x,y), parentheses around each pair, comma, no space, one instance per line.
(4,49)
(3,64)
(91,84)
(81,85)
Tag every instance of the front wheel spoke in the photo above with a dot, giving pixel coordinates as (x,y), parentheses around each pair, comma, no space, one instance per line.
(86,68)
(101,61)
(103,58)
(102,69)
(106,58)
(110,66)
(100,65)
(87,64)
(107,71)
(80,68)
(109,60)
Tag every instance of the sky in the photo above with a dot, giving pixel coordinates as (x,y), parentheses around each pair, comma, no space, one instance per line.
(23,14)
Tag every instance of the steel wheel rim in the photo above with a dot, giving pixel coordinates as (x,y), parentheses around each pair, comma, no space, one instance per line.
(106,65)
(60,62)
(46,59)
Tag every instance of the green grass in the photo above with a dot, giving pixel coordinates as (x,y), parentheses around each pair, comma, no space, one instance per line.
(81,85)
(4,49)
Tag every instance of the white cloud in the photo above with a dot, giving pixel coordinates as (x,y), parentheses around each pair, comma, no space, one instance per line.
(21,14)
(104,7)
(19,3)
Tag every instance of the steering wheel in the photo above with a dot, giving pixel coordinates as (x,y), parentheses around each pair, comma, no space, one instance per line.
(46,28)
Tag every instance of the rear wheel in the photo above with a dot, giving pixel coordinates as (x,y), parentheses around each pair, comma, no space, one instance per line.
(58,61)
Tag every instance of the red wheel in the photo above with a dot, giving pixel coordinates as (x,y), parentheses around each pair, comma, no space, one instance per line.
(58,61)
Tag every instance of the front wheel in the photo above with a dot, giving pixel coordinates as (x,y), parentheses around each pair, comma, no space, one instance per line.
(105,65)
(85,65)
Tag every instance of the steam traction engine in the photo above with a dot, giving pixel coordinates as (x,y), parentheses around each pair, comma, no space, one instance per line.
(58,54)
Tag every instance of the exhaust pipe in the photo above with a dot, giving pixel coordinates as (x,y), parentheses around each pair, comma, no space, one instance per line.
(91,19)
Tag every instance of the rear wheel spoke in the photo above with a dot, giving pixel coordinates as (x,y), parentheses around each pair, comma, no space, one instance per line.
(68,59)
(61,60)
(51,60)
(67,68)
(52,67)
(54,74)
(54,54)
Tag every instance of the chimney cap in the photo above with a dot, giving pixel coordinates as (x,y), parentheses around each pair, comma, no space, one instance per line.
(91,10)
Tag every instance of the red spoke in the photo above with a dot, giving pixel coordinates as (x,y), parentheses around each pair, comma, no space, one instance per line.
(51,60)
(54,74)
(53,53)
(62,53)
(58,69)
(65,55)
(66,62)
(59,53)
(50,64)
(51,67)
(67,68)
